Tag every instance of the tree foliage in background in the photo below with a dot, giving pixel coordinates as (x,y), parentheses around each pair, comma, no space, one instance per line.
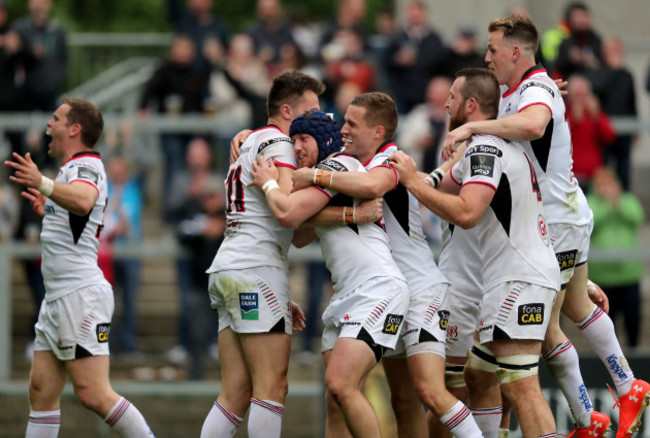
(151,15)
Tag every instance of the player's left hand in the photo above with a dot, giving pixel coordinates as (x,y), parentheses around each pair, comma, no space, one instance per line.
(561,85)
(303,178)
(263,172)
(597,296)
(236,142)
(26,172)
(405,166)
(297,317)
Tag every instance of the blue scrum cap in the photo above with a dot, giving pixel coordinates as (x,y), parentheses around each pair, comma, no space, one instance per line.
(320,126)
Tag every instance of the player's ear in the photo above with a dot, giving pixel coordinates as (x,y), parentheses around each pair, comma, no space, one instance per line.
(74,129)
(380,131)
(287,112)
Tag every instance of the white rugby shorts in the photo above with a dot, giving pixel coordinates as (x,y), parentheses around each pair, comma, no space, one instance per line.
(571,246)
(378,306)
(463,323)
(253,300)
(515,310)
(76,325)
(426,321)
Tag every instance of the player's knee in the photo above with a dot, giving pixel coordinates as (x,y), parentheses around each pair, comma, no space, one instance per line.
(429,393)
(338,388)
(89,399)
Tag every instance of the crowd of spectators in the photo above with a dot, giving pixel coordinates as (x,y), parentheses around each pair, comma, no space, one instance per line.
(211,70)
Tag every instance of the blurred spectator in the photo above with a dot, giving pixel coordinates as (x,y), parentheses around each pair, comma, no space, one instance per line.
(174,88)
(349,14)
(581,50)
(201,233)
(618,217)
(270,32)
(11,79)
(424,128)
(614,85)
(185,195)
(123,227)
(344,62)
(462,53)
(550,40)
(45,54)
(591,129)
(344,94)
(197,21)
(410,53)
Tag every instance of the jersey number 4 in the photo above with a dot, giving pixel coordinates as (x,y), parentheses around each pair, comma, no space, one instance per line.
(533,179)
(235,190)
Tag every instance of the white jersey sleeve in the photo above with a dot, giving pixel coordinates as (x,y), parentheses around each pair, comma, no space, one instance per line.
(253,235)
(70,242)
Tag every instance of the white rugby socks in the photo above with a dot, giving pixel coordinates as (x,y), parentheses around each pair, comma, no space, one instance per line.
(598,328)
(488,420)
(563,364)
(460,422)
(127,421)
(43,424)
(265,419)
(220,423)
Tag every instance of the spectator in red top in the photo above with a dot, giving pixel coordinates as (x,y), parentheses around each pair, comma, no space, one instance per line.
(591,129)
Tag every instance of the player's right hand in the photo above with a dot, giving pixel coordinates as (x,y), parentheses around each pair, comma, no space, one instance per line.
(236,142)
(369,211)
(263,172)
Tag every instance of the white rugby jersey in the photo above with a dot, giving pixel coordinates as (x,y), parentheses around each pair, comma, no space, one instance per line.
(70,242)
(564,201)
(353,253)
(254,237)
(411,251)
(512,234)
(461,262)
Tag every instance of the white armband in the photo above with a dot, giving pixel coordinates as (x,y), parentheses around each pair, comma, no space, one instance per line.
(47,186)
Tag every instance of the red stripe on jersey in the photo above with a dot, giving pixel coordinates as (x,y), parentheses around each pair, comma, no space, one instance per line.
(281,164)
(534,72)
(87,182)
(451,174)
(481,182)
(269,127)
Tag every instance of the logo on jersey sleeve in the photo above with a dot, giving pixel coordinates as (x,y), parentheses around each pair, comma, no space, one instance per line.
(88,174)
(392,323)
(444,319)
(485,149)
(331,164)
(482,165)
(102,332)
(536,84)
(567,259)
(249,306)
(530,314)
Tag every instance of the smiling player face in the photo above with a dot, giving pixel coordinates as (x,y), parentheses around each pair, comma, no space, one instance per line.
(306,150)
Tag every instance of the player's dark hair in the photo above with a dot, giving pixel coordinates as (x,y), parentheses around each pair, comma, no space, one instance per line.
(288,88)
(519,28)
(88,116)
(380,110)
(482,85)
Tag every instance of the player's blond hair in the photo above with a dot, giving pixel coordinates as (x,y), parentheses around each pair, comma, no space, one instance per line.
(519,29)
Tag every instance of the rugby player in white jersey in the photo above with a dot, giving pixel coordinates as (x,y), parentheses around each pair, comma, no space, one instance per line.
(249,286)
(370,123)
(497,193)
(366,313)
(532,111)
(73,325)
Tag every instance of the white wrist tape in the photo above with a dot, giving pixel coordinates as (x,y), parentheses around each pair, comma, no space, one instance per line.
(47,186)
(269,186)
(435,178)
